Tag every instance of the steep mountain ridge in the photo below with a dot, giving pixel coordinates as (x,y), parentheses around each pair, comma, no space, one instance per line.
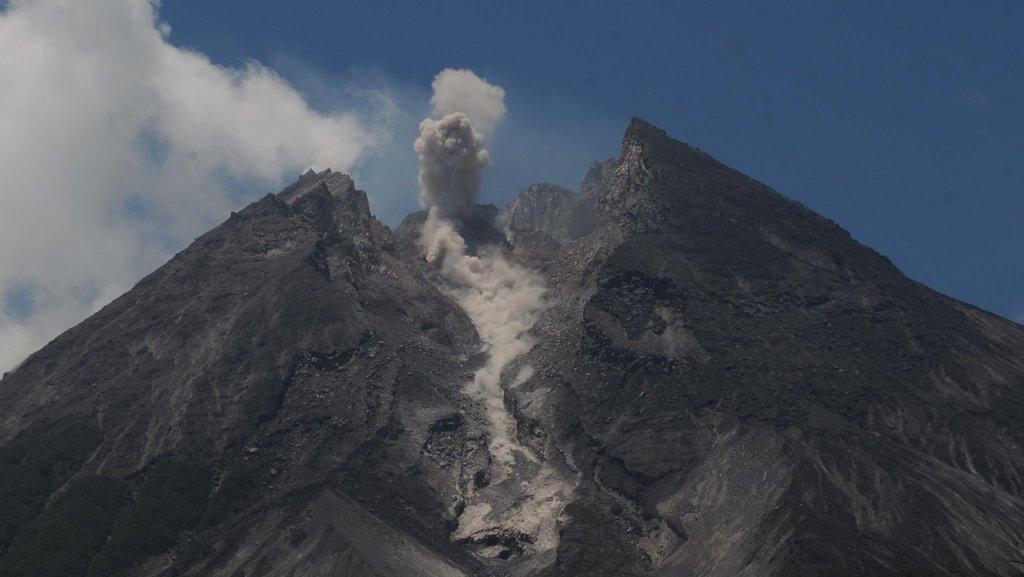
(764,345)
(723,383)
(551,209)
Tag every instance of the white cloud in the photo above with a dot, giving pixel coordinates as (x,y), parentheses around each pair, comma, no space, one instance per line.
(461,90)
(117,148)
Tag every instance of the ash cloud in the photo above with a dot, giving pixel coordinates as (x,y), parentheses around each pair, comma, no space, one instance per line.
(452,158)
(461,90)
(503,299)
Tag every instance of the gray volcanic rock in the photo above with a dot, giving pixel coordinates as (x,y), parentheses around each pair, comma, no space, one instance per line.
(478,228)
(780,397)
(544,207)
(724,383)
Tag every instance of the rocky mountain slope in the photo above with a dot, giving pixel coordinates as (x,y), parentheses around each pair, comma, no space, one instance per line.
(722,383)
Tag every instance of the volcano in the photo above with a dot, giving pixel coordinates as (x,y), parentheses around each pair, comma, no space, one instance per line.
(722,383)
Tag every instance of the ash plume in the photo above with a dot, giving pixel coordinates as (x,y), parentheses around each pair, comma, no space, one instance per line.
(452,158)
(503,299)
(461,90)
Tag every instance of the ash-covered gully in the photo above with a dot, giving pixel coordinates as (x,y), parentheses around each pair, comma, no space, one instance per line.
(502,298)
(512,507)
(672,371)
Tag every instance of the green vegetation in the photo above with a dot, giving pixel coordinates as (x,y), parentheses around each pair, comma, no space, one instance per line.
(63,540)
(171,498)
(34,465)
(235,491)
(98,526)
(93,528)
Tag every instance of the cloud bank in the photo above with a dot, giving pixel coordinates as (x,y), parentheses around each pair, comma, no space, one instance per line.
(117,148)
(504,300)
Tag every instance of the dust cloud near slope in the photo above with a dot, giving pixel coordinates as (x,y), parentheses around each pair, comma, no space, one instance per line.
(502,298)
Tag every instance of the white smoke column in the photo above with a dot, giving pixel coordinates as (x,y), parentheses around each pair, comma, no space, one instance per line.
(502,298)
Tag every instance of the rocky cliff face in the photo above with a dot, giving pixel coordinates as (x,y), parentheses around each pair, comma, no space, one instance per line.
(723,383)
(551,209)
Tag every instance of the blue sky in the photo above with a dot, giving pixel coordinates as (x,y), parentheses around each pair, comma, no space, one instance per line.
(904,121)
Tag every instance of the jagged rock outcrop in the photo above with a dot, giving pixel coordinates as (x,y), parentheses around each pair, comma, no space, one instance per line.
(559,212)
(781,396)
(724,383)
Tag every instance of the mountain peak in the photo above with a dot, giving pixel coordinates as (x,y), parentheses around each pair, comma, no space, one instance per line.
(337,184)
(721,383)
(330,202)
(640,128)
(559,212)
